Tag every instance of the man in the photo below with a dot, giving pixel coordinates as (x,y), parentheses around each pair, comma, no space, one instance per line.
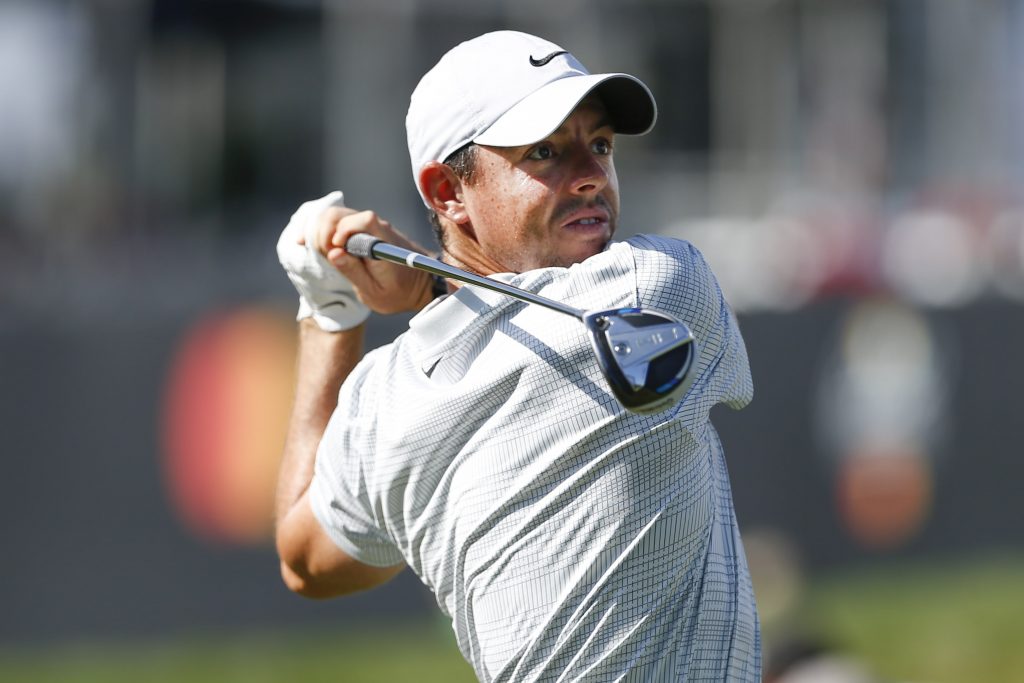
(565,537)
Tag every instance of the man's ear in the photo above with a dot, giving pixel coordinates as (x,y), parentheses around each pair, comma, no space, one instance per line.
(443,191)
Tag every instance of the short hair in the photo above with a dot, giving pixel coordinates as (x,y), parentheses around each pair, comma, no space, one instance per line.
(463,163)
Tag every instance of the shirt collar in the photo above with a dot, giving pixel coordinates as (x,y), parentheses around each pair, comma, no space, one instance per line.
(446,316)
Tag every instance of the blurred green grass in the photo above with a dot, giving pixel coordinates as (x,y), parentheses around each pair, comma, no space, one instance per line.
(951,623)
(378,653)
(920,623)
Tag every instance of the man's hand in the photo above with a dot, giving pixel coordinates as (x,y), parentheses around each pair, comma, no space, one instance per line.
(383,287)
(324,293)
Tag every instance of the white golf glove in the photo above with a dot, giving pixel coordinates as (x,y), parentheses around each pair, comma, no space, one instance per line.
(324,293)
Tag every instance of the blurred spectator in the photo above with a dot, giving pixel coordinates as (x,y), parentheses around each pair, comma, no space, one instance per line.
(809,660)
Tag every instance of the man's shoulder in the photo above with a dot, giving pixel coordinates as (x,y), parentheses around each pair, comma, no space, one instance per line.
(669,272)
(654,245)
(621,271)
(659,256)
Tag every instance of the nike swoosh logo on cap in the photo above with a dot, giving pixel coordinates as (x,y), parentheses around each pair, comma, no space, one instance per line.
(545,60)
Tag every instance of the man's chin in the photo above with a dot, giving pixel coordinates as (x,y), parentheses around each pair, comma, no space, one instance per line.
(581,253)
(591,247)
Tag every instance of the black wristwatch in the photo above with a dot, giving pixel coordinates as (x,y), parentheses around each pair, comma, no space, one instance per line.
(439,287)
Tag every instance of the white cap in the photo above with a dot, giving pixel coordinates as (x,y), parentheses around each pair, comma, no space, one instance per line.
(508,88)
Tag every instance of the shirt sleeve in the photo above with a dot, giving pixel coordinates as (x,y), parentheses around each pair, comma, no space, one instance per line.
(673,276)
(342,491)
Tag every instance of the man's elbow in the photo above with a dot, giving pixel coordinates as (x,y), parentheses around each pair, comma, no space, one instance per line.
(313,567)
(305,584)
(301,572)
(319,581)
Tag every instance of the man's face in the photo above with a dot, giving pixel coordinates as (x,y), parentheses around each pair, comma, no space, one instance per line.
(552,203)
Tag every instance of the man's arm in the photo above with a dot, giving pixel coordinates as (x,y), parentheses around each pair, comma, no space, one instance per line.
(311,563)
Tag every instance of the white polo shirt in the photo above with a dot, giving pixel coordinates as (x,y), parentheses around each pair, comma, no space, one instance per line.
(566,538)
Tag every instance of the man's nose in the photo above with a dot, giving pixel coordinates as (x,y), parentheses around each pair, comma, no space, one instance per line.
(589,173)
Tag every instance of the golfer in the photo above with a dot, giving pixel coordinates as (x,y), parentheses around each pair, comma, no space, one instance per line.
(566,538)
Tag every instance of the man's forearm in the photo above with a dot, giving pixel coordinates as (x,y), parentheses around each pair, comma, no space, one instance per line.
(325,359)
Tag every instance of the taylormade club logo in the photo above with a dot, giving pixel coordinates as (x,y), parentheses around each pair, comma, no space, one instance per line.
(545,60)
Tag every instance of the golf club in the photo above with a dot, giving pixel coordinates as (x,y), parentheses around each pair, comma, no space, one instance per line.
(646,356)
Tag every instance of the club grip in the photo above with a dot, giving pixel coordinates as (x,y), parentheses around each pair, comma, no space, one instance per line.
(361,244)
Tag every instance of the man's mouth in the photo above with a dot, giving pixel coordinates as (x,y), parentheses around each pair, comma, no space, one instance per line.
(586,217)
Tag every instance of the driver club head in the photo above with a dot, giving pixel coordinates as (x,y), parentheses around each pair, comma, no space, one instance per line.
(646,356)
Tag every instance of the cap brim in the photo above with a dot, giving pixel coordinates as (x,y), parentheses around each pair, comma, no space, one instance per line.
(628,101)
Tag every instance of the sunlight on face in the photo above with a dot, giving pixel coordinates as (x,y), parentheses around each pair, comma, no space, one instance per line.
(552,203)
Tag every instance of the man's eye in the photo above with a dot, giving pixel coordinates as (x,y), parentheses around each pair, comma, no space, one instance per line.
(541,153)
(602,146)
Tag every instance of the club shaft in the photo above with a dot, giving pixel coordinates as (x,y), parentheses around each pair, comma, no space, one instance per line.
(389,252)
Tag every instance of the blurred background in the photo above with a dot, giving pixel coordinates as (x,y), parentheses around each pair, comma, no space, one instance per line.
(854,171)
